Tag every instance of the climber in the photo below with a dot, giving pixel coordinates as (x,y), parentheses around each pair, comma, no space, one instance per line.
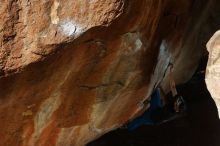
(157,113)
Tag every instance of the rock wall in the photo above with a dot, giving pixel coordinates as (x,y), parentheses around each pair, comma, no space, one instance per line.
(72,70)
(213,68)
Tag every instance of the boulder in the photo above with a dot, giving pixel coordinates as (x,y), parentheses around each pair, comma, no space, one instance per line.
(213,68)
(72,70)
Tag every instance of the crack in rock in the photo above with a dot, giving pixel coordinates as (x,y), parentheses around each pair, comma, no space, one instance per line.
(119,83)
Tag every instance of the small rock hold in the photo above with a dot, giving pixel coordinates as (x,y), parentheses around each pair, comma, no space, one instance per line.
(27,113)
(31,106)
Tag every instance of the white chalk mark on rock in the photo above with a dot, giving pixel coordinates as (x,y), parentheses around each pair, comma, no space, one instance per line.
(70,28)
(138,45)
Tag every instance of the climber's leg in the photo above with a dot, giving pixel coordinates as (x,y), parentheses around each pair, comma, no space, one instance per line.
(155,100)
(176,107)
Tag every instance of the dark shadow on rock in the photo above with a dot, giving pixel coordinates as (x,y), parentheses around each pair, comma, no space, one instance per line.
(200,127)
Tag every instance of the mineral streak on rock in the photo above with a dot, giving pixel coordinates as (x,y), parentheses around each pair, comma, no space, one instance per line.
(54,12)
(72,70)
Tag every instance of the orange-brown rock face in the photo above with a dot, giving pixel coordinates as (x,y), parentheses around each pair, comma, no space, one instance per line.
(72,70)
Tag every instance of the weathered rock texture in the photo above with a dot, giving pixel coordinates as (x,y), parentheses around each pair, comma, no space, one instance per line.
(213,68)
(72,70)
